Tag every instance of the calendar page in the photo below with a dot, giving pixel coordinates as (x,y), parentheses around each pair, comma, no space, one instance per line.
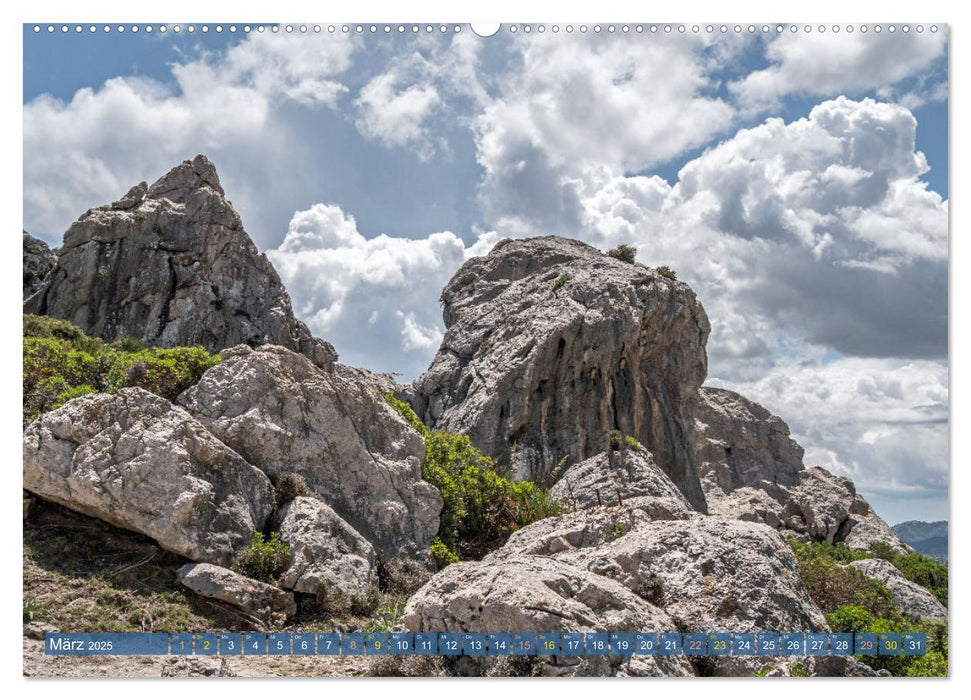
(485,350)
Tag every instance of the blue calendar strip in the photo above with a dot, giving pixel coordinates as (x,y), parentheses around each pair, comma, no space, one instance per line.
(482,644)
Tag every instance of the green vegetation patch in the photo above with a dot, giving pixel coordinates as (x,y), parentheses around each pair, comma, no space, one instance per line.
(264,559)
(482,507)
(61,363)
(560,281)
(626,253)
(853,602)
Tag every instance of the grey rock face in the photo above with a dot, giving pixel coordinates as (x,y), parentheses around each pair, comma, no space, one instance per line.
(912,599)
(550,345)
(324,549)
(531,593)
(136,461)
(612,477)
(752,470)
(38,262)
(739,443)
(284,414)
(170,264)
(259,599)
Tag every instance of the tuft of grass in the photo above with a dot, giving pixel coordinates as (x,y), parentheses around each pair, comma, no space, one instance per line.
(560,281)
(633,444)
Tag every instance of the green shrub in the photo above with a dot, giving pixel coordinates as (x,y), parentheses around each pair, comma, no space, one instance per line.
(406,412)
(60,363)
(482,508)
(560,281)
(264,559)
(442,554)
(833,585)
(853,618)
(627,253)
(667,272)
(925,572)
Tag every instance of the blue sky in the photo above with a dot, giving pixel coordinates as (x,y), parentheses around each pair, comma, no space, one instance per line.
(797,182)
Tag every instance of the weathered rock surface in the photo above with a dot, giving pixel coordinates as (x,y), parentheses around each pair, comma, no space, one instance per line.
(284,414)
(550,345)
(613,477)
(739,443)
(38,262)
(170,264)
(912,599)
(707,573)
(136,461)
(324,550)
(259,599)
(752,470)
(532,594)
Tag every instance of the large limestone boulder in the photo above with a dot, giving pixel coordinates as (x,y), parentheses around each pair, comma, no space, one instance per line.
(284,414)
(752,470)
(261,600)
(550,345)
(615,476)
(38,262)
(912,599)
(170,264)
(325,552)
(136,461)
(526,593)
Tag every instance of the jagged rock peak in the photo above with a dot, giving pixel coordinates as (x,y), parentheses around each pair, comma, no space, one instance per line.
(184,179)
(551,345)
(170,264)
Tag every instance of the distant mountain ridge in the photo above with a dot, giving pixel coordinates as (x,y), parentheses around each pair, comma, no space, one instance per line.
(927,538)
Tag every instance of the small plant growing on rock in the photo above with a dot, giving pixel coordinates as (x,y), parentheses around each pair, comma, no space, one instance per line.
(139,216)
(618,530)
(265,559)
(289,486)
(624,252)
(633,444)
(560,281)
(667,272)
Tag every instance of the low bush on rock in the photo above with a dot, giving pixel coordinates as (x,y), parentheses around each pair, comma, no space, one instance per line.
(61,363)
(290,486)
(624,252)
(264,559)
(482,507)
(915,567)
(667,272)
(560,281)
(925,572)
(832,585)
